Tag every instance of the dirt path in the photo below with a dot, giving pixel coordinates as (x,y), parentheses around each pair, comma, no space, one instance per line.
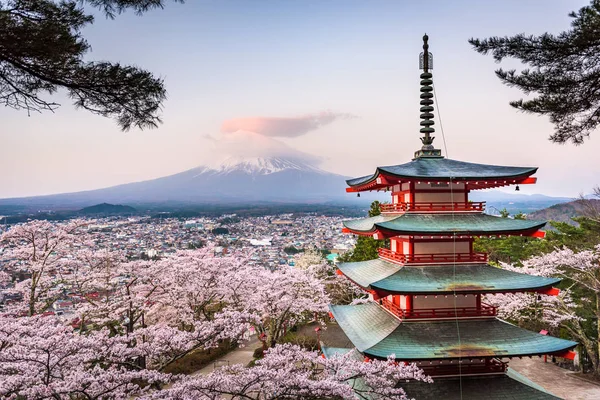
(240,355)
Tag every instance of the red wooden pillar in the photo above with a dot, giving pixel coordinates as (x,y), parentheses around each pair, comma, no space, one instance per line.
(478,302)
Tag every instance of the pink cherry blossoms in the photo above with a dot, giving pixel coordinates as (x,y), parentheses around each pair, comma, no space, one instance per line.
(131,319)
(289,372)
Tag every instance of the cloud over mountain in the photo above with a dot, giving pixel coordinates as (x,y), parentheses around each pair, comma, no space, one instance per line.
(280,126)
(251,144)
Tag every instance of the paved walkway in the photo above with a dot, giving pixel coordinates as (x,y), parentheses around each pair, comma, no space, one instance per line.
(240,355)
(558,381)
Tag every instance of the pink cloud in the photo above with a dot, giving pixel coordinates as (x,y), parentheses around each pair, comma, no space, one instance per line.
(282,127)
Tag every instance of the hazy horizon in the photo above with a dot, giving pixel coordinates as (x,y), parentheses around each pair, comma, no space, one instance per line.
(332,83)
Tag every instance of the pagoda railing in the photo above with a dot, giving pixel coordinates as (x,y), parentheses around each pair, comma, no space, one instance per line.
(390,255)
(485,310)
(433,206)
(492,366)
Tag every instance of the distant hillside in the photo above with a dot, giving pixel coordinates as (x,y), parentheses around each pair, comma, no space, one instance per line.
(515,202)
(563,212)
(106,208)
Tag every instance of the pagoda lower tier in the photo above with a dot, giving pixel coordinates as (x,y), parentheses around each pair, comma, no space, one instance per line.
(377,333)
(503,385)
(507,386)
(415,224)
(388,278)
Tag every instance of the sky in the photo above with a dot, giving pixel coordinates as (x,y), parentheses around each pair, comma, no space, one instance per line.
(333,82)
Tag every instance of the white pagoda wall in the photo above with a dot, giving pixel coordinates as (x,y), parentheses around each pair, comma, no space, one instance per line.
(445,197)
(441,247)
(420,302)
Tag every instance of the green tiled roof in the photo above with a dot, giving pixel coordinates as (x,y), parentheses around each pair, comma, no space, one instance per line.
(443,224)
(444,168)
(440,279)
(500,387)
(366,324)
(364,273)
(366,224)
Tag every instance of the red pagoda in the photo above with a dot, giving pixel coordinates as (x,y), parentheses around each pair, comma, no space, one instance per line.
(426,290)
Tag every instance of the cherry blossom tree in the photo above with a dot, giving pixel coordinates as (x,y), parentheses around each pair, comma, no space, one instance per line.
(579,269)
(172,306)
(273,301)
(196,285)
(290,372)
(339,288)
(135,318)
(40,250)
(41,358)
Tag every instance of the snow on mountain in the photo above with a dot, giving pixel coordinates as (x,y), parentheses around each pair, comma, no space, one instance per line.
(261,165)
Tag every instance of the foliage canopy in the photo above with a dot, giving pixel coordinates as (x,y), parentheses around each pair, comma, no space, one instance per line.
(42,50)
(564,73)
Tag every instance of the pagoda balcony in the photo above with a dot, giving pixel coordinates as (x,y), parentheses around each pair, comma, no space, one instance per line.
(470,206)
(485,310)
(440,258)
(493,366)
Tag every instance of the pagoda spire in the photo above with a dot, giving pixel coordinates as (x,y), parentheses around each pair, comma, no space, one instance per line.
(426,63)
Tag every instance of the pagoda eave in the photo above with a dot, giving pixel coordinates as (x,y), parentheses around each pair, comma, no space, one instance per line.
(387,278)
(383,233)
(439,169)
(376,333)
(470,184)
(441,225)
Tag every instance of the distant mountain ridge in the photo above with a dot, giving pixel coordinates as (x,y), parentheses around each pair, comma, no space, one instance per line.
(564,212)
(515,203)
(251,180)
(236,180)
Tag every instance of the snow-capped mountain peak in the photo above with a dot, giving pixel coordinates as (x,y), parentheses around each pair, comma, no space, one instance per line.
(261,165)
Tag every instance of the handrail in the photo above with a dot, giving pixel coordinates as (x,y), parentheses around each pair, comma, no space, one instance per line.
(485,310)
(433,206)
(431,258)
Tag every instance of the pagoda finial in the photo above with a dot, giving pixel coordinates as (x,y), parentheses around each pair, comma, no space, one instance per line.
(426,63)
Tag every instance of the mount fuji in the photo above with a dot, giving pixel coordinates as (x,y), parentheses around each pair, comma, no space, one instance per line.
(235,180)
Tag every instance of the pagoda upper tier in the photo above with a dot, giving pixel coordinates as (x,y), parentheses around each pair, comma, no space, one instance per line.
(387,278)
(377,333)
(439,169)
(478,224)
